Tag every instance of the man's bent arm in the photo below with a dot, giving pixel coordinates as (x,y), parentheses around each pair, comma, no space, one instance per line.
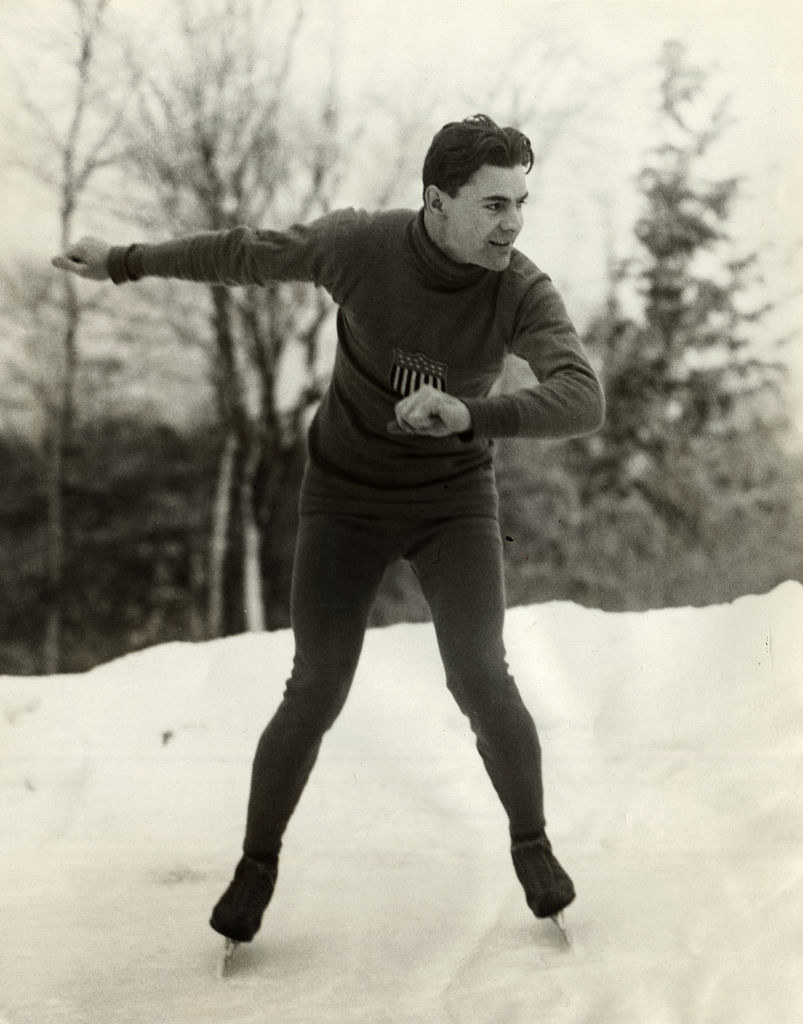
(568,400)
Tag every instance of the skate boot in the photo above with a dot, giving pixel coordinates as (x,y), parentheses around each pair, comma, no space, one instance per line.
(238,913)
(546,885)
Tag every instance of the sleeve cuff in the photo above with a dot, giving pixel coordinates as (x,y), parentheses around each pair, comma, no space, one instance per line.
(483,421)
(125,263)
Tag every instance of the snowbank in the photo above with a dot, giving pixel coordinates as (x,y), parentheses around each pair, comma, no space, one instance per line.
(672,757)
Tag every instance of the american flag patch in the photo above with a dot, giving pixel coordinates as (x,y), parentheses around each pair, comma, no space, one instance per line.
(411,370)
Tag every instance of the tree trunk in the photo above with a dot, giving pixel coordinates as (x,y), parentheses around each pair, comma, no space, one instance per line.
(54,557)
(253,599)
(219,537)
(245,608)
(59,447)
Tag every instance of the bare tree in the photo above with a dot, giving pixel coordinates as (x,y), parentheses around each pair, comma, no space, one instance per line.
(218,140)
(71,140)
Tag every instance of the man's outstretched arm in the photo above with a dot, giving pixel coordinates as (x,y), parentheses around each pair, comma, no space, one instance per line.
(323,252)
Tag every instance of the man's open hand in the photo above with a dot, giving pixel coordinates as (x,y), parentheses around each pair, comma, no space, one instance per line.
(87,258)
(430,413)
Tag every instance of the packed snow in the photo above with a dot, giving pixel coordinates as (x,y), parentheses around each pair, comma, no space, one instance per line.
(672,746)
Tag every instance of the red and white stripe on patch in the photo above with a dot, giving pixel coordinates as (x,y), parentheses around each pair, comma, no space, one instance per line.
(412,370)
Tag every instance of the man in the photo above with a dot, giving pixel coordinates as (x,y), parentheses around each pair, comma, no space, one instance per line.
(400,463)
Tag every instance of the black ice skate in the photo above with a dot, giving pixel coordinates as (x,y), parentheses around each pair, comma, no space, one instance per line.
(238,913)
(548,888)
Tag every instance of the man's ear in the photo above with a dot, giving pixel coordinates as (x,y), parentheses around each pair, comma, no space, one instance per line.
(433,199)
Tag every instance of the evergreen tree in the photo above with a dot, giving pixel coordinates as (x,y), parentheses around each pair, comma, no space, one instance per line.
(687,494)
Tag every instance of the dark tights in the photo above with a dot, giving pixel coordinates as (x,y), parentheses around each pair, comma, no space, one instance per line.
(339,564)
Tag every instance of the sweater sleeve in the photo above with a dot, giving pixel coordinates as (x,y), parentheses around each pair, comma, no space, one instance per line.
(568,400)
(312,252)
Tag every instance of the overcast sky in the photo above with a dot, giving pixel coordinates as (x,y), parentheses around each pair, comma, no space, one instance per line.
(449,56)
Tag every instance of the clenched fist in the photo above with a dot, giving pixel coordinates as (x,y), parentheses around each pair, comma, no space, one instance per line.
(87,258)
(431,413)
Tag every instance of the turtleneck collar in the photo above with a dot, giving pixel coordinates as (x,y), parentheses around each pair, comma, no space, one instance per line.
(440,270)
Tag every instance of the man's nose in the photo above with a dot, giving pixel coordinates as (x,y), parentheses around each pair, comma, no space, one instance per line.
(513,220)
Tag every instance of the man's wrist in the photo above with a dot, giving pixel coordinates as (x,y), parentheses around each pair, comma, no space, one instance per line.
(464,424)
(465,431)
(124,263)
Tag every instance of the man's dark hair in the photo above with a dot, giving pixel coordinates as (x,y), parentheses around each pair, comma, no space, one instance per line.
(460,148)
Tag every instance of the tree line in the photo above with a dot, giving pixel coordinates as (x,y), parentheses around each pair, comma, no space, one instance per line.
(122,527)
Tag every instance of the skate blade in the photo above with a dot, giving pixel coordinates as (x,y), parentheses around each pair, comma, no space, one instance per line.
(560,923)
(228,955)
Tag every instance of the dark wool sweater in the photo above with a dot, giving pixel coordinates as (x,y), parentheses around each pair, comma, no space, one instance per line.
(408,315)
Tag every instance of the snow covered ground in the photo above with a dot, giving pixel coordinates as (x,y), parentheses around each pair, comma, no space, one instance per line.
(672,744)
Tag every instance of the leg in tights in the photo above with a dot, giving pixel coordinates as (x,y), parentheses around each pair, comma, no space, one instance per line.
(339,563)
(459,565)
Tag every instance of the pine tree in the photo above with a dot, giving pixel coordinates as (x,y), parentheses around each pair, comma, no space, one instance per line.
(687,494)
(696,415)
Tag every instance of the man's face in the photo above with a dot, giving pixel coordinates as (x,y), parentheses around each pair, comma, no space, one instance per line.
(481,223)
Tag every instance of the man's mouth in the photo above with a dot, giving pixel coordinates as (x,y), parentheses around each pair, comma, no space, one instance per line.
(501,245)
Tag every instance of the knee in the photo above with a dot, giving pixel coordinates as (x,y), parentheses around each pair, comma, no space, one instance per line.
(480,679)
(316,696)
(492,703)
